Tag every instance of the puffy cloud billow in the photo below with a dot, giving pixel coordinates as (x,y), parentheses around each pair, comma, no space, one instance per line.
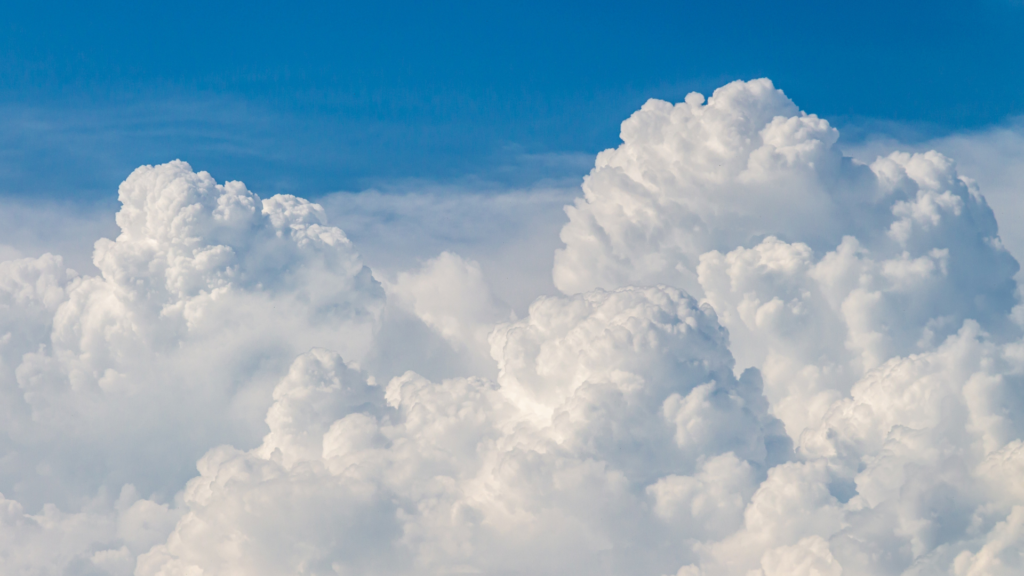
(766,359)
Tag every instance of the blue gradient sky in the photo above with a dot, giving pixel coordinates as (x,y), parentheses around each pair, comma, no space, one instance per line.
(329,96)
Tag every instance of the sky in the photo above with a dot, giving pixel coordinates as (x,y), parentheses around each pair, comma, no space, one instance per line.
(331,96)
(651,289)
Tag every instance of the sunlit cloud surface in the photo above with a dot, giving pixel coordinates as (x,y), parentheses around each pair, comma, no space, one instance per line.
(738,351)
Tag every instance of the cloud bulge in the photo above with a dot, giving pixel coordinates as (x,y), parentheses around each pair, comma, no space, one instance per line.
(763,357)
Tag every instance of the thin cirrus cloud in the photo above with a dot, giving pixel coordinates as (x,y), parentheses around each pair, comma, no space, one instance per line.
(751,355)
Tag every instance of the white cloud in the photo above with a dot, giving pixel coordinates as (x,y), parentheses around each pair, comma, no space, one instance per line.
(470,475)
(990,157)
(839,393)
(511,234)
(451,296)
(201,302)
(106,535)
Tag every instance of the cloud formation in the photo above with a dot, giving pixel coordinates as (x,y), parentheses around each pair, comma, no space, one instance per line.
(548,467)
(768,358)
(207,294)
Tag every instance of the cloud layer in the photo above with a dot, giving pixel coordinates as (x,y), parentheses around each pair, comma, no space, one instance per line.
(767,358)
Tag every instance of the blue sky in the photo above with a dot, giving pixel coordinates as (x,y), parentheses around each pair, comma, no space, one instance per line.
(329,96)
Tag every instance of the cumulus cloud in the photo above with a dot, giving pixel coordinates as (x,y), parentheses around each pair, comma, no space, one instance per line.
(767,358)
(511,233)
(204,297)
(991,157)
(573,449)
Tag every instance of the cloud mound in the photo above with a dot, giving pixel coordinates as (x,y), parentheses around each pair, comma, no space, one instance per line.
(767,359)
(203,299)
(612,413)
(746,164)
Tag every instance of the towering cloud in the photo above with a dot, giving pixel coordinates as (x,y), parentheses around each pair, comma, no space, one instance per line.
(768,359)
(694,177)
